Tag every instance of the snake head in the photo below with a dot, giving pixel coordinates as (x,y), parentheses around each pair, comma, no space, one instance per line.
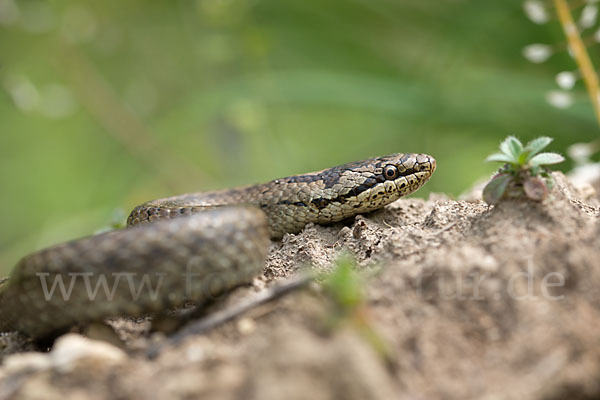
(403,173)
(364,186)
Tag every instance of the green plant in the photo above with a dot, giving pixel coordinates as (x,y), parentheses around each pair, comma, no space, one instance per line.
(578,41)
(524,174)
(345,288)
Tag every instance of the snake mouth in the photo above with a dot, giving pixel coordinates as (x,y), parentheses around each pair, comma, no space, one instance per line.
(419,165)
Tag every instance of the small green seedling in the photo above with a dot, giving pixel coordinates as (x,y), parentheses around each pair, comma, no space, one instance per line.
(524,174)
(346,289)
(344,286)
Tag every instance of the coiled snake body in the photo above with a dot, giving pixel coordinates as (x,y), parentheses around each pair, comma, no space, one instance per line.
(156,265)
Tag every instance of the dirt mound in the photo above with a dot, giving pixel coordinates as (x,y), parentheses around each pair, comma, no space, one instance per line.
(471,302)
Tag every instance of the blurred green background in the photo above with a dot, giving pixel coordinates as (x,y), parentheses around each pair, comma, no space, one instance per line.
(107,104)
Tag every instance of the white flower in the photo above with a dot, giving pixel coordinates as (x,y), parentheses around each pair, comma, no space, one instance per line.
(24,93)
(536,11)
(537,52)
(559,99)
(589,16)
(566,80)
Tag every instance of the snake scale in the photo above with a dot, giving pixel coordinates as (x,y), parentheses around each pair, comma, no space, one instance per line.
(171,252)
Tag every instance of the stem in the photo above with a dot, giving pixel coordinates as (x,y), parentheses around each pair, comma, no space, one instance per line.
(580,54)
(218,318)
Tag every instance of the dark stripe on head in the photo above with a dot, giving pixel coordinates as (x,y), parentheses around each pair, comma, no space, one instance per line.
(329,178)
(321,202)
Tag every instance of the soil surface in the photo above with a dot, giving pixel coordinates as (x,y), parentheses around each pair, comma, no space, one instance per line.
(466,301)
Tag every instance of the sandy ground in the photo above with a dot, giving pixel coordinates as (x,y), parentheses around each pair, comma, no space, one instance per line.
(469,301)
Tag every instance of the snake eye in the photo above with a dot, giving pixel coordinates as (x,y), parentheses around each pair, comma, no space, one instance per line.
(390,172)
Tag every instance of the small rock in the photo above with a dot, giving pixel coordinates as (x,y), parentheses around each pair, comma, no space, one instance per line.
(246,326)
(26,362)
(70,349)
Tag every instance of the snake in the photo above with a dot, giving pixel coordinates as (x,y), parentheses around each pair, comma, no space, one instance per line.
(192,247)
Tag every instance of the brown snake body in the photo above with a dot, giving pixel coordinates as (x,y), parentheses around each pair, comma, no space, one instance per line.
(192,255)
